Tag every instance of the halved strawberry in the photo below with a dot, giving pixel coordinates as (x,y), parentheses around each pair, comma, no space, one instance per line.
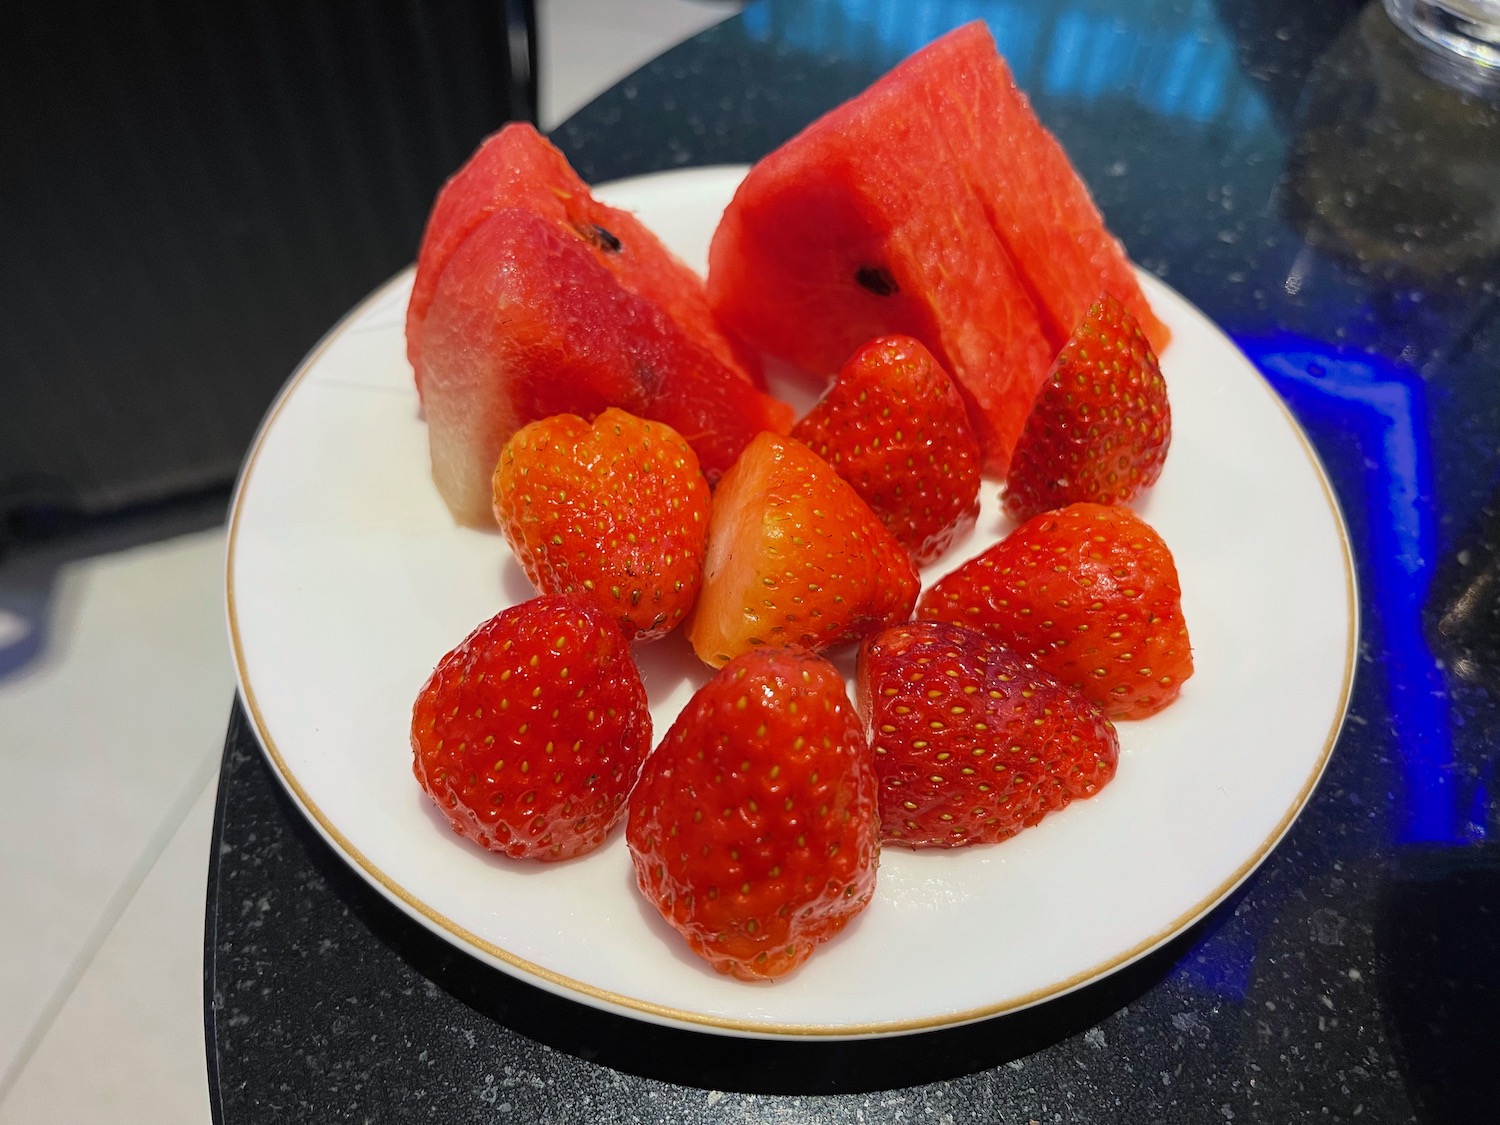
(1090,593)
(973,742)
(615,511)
(794,557)
(753,828)
(530,734)
(895,427)
(1100,426)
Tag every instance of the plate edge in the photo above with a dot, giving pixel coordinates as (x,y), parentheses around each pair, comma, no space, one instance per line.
(577,990)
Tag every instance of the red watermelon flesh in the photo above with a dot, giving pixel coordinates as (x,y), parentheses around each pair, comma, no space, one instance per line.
(936,205)
(518,167)
(1036,204)
(525,322)
(815,256)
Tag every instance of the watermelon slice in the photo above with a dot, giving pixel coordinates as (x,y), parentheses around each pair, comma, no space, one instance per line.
(525,323)
(531,299)
(518,167)
(936,205)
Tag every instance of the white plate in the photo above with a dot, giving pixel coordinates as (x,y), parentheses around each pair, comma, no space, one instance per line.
(347,580)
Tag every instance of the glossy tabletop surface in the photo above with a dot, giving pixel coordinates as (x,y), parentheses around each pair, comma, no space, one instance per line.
(1307,179)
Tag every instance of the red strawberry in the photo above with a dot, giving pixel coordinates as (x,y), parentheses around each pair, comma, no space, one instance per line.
(972,742)
(1090,593)
(753,828)
(895,427)
(794,557)
(616,511)
(531,732)
(1100,426)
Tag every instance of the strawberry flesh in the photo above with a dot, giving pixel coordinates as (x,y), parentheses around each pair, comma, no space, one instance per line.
(794,557)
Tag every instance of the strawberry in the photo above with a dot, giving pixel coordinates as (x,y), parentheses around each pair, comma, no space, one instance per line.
(616,511)
(1088,592)
(973,742)
(530,734)
(895,427)
(753,828)
(1100,426)
(794,557)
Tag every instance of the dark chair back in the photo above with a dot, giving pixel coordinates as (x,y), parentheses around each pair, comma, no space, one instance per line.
(191,193)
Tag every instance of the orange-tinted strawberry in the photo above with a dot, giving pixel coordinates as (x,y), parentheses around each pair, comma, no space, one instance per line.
(794,557)
(530,734)
(753,828)
(895,427)
(615,511)
(1100,426)
(1090,593)
(973,742)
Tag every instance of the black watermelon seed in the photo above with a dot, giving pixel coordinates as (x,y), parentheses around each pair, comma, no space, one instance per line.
(606,240)
(878,280)
(596,235)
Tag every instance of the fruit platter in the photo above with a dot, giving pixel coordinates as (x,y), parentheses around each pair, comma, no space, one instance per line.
(538,613)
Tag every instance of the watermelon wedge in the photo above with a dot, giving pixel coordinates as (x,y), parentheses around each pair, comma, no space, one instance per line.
(518,167)
(936,205)
(531,299)
(525,323)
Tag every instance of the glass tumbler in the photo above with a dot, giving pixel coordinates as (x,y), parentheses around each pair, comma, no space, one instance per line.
(1467,30)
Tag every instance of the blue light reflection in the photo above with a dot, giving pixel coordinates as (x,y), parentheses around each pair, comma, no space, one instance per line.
(1381,409)
(1169,59)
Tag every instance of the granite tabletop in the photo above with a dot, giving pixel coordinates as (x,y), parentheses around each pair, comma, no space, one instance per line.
(1332,201)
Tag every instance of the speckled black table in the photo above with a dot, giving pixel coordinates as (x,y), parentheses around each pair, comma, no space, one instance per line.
(1295,172)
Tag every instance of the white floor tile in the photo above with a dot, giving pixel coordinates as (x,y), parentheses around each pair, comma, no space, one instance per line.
(104,736)
(127,1046)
